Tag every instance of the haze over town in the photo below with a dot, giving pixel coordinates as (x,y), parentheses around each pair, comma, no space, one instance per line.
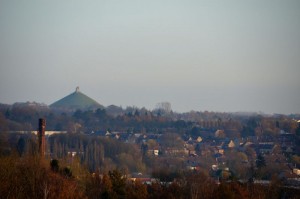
(198,55)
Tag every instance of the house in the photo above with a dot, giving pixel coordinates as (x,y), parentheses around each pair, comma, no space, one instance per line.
(219,150)
(199,139)
(264,147)
(220,134)
(231,144)
(214,167)
(176,152)
(290,178)
(153,152)
(296,171)
(144,179)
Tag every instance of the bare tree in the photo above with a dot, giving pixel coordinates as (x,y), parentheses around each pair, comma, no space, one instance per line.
(164,107)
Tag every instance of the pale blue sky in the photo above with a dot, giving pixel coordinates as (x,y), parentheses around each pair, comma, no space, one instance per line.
(215,55)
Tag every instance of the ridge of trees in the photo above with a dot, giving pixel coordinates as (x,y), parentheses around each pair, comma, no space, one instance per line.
(135,120)
(32,177)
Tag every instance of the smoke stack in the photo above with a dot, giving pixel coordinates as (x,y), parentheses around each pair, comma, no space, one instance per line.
(41,136)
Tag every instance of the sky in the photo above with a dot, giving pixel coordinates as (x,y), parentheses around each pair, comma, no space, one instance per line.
(214,55)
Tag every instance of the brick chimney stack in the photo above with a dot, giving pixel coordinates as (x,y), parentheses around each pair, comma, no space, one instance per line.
(41,137)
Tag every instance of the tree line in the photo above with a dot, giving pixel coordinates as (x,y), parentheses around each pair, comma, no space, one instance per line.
(132,119)
(33,177)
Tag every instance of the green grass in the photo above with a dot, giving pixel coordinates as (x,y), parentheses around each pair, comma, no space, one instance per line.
(76,100)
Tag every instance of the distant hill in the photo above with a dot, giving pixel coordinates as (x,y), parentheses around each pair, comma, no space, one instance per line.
(75,101)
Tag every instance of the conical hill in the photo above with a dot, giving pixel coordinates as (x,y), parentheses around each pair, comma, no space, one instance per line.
(75,101)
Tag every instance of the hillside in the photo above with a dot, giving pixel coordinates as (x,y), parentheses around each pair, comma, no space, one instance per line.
(76,100)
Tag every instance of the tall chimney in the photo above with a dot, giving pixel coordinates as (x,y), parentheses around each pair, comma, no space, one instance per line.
(41,136)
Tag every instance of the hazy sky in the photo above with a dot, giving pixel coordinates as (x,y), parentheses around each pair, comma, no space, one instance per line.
(225,55)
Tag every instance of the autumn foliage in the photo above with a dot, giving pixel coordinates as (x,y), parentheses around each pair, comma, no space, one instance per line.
(30,177)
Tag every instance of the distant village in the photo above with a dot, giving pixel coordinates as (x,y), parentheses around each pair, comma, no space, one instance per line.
(225,146)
